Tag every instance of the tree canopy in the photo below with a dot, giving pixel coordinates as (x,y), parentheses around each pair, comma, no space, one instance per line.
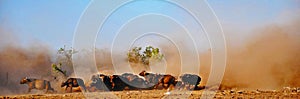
(150,54)
(63,59)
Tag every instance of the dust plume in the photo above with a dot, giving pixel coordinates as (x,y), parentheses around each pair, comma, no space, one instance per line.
(269,60)
(17,62)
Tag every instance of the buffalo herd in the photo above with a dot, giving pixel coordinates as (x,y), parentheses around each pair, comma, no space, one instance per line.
(126,81)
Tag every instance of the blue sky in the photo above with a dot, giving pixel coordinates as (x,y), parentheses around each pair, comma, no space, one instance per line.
(53,21)
(49,21)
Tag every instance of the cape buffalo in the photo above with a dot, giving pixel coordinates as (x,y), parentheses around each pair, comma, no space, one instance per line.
(119,82)
(136,82)
(191,80)
(73,82)
(36,84)
(157,79)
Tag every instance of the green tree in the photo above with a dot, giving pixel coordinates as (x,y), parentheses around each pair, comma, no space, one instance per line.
(150,53)
(63,61)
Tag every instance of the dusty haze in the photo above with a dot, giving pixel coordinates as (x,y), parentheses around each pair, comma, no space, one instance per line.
(17,62)
(269,59)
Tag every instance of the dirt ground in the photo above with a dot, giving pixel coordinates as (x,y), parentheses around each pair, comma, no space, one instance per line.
(158,94)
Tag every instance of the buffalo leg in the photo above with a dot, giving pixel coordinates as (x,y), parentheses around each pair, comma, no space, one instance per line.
(29,90)
(47,88)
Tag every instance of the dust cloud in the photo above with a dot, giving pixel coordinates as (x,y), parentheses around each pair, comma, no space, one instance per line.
(17,62)
(269,60)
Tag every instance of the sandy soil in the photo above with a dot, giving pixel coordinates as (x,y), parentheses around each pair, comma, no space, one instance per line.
(158,94)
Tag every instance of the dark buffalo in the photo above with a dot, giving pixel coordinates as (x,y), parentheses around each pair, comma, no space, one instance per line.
(107,81)
(37,84)
(100,82)
(165,80)
(152,79)
(96,84)
(191,80)
(74,82)
(119,82)
(135,82)
(139,84)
